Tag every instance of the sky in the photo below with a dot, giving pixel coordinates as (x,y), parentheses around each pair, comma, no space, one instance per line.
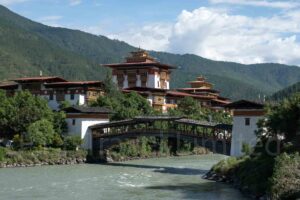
(244,31)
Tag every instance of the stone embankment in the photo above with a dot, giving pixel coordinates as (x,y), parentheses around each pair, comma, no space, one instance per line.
(58,162)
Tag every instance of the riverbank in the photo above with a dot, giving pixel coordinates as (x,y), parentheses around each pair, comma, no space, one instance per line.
(119,157)
(261,176)
(48,156)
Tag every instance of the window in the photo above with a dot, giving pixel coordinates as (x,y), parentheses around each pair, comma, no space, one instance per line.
(51,96)
(247,121)
(73,122)
(72,97)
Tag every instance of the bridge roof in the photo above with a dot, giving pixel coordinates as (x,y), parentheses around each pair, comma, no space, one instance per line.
(155,118)
(145,119)
(114,124)
(224,127)
(135,120)
(196,122)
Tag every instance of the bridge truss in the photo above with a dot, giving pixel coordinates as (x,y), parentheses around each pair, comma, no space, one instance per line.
(214,136)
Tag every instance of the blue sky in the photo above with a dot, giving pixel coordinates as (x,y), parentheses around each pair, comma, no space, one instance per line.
(246,31)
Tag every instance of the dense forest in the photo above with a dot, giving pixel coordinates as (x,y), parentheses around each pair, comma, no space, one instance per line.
(27,47)
(286,92)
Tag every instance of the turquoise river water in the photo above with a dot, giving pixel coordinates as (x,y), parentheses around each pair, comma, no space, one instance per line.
(151,179)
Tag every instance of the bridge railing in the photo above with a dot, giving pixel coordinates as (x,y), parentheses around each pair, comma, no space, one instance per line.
(214,135)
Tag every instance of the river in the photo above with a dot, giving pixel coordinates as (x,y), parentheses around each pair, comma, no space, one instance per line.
(151,179)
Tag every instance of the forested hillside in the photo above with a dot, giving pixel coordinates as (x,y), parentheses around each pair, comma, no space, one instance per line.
(286,92)
(26,47)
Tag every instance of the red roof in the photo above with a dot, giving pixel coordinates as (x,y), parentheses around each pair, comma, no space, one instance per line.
(40,79)
(198,89)
(183,94)
(221,101)
(74,83)
(245,104)
(8,86)
(143,64)
(144,89)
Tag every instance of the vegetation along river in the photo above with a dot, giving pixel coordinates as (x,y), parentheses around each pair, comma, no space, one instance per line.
(159,178)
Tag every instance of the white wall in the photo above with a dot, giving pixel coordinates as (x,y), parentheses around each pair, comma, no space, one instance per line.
(79,99)
(150,99)
(243,134)
(168,85)
(81,128)
(157,81)
(151,81)
(125,83)
(114,79)
(53,104)
(138,81)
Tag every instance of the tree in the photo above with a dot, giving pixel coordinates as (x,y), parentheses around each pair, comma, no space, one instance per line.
(110,87)
(41,133)
(189,106)
(125,106)
(18,112)
(59,122)
(5,114)
(72,142)
(26,109)
(282,120)
(64,104)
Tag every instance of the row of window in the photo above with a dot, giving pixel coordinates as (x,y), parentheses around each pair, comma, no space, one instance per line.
(61,97)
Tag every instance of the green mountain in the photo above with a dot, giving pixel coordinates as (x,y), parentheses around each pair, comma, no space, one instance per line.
(27,47)
(286,92)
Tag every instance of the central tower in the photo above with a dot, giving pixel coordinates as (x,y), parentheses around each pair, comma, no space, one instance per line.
(141,70)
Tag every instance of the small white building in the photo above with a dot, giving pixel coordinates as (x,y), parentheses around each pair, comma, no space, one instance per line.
(246,114)
(80,118)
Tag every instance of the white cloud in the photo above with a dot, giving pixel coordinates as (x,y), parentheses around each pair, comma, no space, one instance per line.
(152,36)
(51,20)
(75,2)
(11,2)
(219,35)
(260,3)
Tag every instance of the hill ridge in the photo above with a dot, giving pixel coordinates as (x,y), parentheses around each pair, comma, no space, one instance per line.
(26,47)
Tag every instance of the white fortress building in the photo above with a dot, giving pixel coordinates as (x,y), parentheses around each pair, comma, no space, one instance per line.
(246,114)
(56,90)
(80,118)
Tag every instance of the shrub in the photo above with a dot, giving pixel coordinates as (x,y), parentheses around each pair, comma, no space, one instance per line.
(72,142)
(164,148)
(57,141)
(246,149)
(285,182)
(226,166)
(145,148)
(41,133)
(115,156)
(2,153)
(76,154)
(17,141)
(254,173)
